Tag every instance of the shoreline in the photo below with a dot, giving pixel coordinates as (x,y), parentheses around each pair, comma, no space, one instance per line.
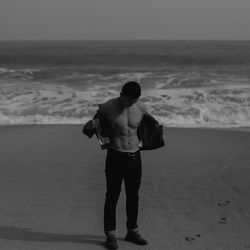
(238,128)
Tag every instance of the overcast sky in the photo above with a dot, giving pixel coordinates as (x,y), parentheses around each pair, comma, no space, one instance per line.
(124,19)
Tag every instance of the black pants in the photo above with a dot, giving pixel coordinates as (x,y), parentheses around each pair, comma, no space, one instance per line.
(122,166)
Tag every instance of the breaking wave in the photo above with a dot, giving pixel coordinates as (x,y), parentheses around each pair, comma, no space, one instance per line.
(183,100)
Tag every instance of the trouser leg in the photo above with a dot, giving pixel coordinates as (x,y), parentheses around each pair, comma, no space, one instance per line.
(132,180)
(114,177)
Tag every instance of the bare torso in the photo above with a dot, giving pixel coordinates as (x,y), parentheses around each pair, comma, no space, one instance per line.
(123,122)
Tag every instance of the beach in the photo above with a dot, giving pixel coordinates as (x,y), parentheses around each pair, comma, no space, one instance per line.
(195,191)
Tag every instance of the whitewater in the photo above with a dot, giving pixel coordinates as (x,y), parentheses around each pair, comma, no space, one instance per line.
(215,104)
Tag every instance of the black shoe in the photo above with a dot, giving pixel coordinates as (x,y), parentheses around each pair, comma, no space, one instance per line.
(111,242)
(136,238)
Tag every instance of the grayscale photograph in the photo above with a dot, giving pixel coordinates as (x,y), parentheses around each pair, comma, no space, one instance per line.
(124,125)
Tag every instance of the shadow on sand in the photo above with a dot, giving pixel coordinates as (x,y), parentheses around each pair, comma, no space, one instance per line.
(23,234)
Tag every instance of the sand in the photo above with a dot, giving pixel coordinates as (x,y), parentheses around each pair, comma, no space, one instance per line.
(195,192)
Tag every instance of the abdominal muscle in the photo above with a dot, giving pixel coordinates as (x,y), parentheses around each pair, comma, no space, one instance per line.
(125,143)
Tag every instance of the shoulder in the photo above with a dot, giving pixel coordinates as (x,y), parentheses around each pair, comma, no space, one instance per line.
(106,107)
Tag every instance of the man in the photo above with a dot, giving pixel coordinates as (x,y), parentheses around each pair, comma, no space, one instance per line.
(120,118)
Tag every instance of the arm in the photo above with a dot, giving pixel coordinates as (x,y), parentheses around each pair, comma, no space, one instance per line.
(99,122)
(89,128)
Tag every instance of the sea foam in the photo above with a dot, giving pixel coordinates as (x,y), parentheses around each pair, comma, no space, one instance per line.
(209,105)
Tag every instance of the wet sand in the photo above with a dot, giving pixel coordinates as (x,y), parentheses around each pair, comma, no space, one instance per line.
(195,192)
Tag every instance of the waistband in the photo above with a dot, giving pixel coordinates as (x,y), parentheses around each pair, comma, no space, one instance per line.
(129,154)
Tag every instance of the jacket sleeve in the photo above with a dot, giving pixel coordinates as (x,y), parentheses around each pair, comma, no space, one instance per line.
(148,135)
(88,129)
(103,127)
(151,117)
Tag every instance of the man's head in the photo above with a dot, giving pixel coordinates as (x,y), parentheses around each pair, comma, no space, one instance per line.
(131,91)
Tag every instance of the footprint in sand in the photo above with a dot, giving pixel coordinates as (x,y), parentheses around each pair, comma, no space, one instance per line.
(224,203)
(189,238)
(223,220)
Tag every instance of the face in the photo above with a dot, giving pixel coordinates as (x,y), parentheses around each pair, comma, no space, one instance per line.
(129,101)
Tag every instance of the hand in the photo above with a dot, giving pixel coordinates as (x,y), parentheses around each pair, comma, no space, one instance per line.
(159,127)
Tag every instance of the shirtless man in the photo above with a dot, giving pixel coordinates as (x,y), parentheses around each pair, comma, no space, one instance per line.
(123,161)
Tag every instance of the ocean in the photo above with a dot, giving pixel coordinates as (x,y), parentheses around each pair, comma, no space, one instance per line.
(184,83)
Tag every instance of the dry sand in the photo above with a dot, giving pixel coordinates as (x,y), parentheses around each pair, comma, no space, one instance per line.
(195,192)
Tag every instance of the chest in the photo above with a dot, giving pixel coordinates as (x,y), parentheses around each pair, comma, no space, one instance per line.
(127,118)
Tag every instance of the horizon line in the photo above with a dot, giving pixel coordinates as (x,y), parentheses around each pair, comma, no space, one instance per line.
(123,39)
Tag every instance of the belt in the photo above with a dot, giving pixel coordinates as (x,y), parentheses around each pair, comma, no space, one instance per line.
(128,154)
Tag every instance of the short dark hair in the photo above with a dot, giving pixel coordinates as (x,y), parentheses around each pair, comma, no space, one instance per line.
(131,89)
